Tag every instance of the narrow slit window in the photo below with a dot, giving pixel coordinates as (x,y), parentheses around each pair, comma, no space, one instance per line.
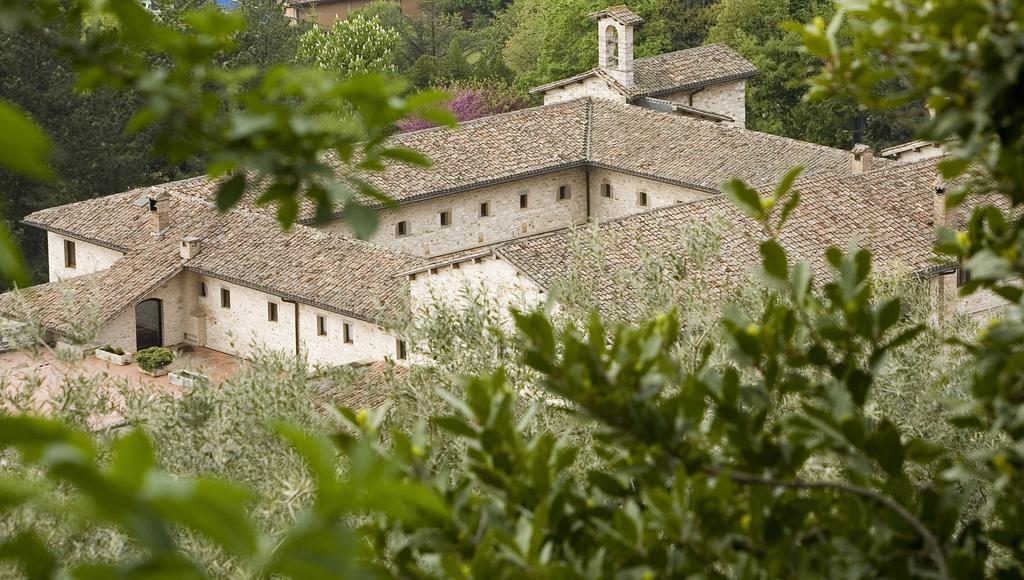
(202,289)
(524,200)
(606,189)
(485,209)
(564,192)
(321,326)
(346,331)
(70,259)
(401,229)
(225,298)
(641,199)
(401,350)
(446,218)
(272,311)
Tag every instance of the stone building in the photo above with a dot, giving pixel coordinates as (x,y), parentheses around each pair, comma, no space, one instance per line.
(638,146)
(326,12)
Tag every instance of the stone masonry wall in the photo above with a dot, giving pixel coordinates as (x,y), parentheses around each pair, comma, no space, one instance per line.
(120,332)
(625,194)
(722,98)
(588,87)
(245,327)
(89,257)
(426,237)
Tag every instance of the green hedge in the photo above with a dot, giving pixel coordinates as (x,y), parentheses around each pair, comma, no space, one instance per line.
(154,358)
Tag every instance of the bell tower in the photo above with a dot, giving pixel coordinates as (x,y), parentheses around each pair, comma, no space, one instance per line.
(615,41)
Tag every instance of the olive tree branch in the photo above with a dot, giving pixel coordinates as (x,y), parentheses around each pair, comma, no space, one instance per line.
(934,547)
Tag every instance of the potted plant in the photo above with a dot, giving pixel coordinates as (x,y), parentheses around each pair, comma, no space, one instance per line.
(154,360)
(113,355)
(186,379)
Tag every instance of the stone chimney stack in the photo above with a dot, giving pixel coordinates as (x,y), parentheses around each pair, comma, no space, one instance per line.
(615,42)
(159,211)
(189,247)
(943,217)
(863,158)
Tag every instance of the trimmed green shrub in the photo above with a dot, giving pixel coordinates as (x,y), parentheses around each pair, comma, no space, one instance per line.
(154,358)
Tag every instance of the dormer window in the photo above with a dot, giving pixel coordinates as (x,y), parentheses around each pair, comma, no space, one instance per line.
(611,46)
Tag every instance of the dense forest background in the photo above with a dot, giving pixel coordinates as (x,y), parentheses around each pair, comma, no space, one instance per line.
(488,53)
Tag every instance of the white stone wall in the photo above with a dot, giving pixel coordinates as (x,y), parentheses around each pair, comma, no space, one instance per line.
(242,328)
(723,98)
(448,285)
(625,194)
(120,332)
(925,152)
(245,328)
(369,341)
(89,257)
(588,87)
(426,237)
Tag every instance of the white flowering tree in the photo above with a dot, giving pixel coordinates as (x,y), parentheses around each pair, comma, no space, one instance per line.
(351,47)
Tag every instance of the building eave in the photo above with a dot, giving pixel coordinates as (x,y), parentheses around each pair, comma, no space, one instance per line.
(289,296)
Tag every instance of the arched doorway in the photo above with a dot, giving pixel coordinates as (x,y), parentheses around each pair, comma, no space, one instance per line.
(149,324)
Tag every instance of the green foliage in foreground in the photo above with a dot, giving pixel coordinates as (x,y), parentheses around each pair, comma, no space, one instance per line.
(275,124)
(712,469)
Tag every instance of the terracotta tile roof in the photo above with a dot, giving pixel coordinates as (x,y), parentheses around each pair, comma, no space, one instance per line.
(488,150)
(688,69)
(67,307)
(366,387)
(889,211)
(700,153)
(325,270)
(619,12)
(531,141)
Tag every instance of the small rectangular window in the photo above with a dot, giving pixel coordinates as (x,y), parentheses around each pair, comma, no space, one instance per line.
(400,350)
(202,289)
(401,229)
(564,192)
(524,200)
(641,198)
(606,189)
(446,218)
(321,326)
(485,209)
(272,311)
(70,259)
(225,298)
(346,331)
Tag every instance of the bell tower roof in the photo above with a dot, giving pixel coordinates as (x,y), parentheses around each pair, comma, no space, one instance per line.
(619,13)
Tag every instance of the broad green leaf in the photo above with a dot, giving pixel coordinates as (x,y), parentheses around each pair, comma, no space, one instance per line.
(230,192)
(24,148)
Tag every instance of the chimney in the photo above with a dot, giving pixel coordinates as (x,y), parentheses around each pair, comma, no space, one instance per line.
(863,158)
(159,211)
(189,247)
(615,42)
(942,217)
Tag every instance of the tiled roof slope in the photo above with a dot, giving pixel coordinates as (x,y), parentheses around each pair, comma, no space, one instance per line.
(888,211)
(620,136)
(532,141)
(318,268)
(687,69)
(700,153)
(619,12)
(489,149)
(67,305)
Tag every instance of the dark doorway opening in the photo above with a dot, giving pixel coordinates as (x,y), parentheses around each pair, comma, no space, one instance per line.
(149,324)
